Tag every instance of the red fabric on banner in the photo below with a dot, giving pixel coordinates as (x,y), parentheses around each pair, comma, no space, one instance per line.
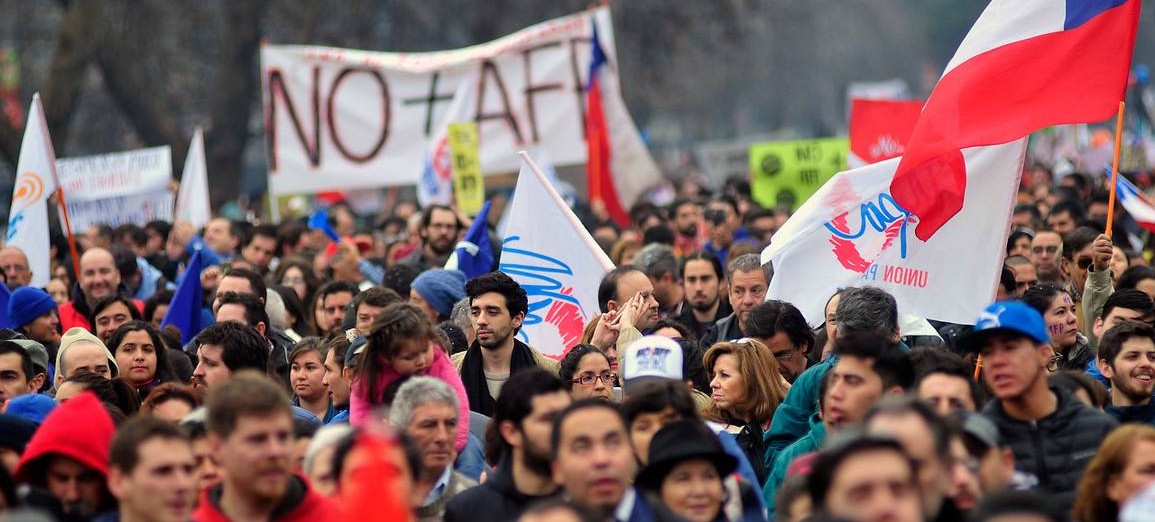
(880,129)
(600,175)
(1071,76)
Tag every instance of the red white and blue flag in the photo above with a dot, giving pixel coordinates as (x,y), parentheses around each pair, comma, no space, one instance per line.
(1025,65)
(1137,206)
(599,171)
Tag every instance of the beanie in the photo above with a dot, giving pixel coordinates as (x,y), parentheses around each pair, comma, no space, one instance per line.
(441,288)
(33,407)
(77,334)
(26,304)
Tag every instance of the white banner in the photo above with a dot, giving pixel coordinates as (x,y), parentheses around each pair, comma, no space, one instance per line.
(35,183)
(556,261)
(348,119)
(117,188)
(852,233)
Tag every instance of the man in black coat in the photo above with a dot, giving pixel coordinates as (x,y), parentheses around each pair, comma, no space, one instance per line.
(1051,433)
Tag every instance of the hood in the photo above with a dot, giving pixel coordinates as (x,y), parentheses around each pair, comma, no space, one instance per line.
(80,428)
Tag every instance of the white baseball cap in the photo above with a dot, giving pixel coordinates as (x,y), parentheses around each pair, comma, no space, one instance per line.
(652,357)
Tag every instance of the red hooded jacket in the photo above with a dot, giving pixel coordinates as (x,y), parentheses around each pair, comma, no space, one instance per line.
(80,428)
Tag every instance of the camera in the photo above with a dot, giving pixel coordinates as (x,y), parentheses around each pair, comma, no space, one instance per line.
(716,216)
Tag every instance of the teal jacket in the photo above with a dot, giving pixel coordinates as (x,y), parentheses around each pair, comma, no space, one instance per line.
(791,420)
(811,442)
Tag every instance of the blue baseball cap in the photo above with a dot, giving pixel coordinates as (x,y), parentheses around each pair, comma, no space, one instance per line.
(1006,317)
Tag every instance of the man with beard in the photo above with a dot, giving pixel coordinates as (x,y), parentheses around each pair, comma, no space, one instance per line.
(439,227)
(1012,339)
(748,281)
(225,348)
(497,308)
(1046,251)
(686,217)
(250,429)
(519,439)
(702,282)
(1127,358)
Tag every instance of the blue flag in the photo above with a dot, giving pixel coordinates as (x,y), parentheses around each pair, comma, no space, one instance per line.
(5,294)
(320,221)
(184,312)
(474,255)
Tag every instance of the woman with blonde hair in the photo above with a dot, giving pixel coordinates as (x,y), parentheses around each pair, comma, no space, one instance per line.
(746,387)
(1123,466)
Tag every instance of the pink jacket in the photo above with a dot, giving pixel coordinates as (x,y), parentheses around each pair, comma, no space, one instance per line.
(360,404)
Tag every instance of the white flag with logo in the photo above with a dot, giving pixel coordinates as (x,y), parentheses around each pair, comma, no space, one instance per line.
(548,251)
(35,183)
(852,233)
(192,200)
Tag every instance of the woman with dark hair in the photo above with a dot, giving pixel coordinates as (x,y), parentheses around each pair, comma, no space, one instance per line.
(585,372)
(109,313)
(295,316)
(1138,277)
(306,370)
(1072,349)
(297,274)
(171,401)
(141,355)
(156,306)
(117,392)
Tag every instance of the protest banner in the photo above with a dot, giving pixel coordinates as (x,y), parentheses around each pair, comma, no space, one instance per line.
(786,173)
(351,119)
(853,233)
(548,251)
(468,184)
(117,188)
(36,181)
(879,129)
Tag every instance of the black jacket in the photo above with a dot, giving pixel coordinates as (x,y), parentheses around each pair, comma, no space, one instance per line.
(496,500)
(1144,414)
(725,329)
(1056,448)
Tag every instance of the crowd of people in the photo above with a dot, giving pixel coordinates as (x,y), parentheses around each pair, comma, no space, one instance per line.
(358,379)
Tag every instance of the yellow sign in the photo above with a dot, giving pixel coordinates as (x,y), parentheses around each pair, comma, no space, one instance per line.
(468,184)
(786,173)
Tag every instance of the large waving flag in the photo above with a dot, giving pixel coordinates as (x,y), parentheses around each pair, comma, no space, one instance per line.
(192,200)
(184,311)
(35,182)
(599,156)
(1025,65)
(853,233)
(556,261)
(473,255)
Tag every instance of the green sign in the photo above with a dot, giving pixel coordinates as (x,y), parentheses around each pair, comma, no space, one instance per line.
(786,173)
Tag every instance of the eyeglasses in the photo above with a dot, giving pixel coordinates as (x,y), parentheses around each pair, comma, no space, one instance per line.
(786,354)
(1083,262)
(589,379)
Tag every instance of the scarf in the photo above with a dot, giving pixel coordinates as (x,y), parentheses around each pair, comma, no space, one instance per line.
(473,374)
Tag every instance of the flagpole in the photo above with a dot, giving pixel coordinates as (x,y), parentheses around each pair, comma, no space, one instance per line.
(1115,168)
(68,230)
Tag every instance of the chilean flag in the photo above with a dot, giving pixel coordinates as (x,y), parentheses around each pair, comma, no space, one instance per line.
(1025,65)
(599,175)
(1135,204)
